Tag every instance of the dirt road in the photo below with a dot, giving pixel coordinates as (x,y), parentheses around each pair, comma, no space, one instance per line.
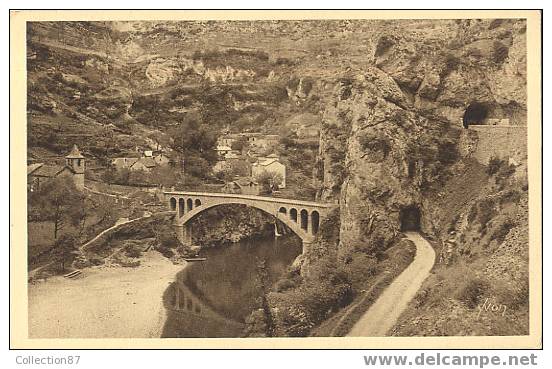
(111,302)
(383,314)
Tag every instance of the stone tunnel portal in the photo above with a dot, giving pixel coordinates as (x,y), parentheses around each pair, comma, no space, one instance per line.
(410,218)
(475,113)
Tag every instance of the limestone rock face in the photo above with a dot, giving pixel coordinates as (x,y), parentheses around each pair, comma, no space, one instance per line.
(445,70)
(390,131)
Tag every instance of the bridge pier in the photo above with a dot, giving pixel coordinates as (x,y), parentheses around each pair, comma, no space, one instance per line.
(306,247)
(184,234)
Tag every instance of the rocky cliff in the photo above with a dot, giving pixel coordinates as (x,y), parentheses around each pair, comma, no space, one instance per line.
(393,153)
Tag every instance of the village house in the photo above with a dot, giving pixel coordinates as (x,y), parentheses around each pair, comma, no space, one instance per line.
(39,173)
(243,186)
(268,157)
(228,139)
(307,132)
(222,151)
(124,162)
(147,162)
(254,139)
(161,160)
(271,165)
(144,163)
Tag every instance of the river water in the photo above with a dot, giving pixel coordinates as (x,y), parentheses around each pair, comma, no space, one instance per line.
(213,298)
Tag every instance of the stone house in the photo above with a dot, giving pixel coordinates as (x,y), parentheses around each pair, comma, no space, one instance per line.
(162,160)
(243,186)
(39,173)
(222,151)
(123,162)
(227,139)
(145,163)
(271,165)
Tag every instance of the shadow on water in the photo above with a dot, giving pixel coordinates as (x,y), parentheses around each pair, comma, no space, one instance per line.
(213,298)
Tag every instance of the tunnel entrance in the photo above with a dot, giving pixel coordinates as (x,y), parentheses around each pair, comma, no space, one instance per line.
(410,219)
(475,113)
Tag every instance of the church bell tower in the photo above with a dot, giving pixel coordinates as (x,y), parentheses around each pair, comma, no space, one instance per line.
(75,161)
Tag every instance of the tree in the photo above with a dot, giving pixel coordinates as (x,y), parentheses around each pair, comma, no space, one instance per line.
(195,141)
(65,248)
(104,210)
(240,144)
(109,176)
(165,175)
(159,138)
(263,285)
(192,137)
(269,181)
(60,201)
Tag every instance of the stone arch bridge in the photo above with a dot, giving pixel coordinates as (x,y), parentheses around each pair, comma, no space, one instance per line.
(302,217)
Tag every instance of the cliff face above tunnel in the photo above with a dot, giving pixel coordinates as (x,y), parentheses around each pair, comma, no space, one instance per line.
(391,131)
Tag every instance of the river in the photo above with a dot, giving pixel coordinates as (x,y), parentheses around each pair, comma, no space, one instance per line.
(213,298)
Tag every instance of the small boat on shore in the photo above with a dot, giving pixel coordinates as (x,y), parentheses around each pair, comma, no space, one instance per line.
(195,259)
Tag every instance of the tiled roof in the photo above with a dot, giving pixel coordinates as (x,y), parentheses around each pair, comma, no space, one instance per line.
(127,161)
(147,162)
(267,162)
(32,167)
(244,181)
(49,170)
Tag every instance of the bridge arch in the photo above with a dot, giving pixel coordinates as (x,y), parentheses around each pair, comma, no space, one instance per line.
(304,219)
(173,204)
(293,214)
(315,221)
(293,225)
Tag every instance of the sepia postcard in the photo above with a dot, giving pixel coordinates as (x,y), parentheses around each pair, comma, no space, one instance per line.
(276,179)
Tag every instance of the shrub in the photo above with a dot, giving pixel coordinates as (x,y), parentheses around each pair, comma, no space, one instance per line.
(284,285)
(451,63)
(133,251)
(471,291)
(485,212)
(384,43)
(300,309)
(495,23)
(359,269)
(510,196)
(494,165)
(505,171)
(499,53)
(165,251)
(375,143)
(502,231)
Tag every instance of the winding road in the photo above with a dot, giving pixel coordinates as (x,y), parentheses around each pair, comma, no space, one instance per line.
(383,314)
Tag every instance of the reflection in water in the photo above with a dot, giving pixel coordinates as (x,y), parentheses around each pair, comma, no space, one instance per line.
(213,298)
